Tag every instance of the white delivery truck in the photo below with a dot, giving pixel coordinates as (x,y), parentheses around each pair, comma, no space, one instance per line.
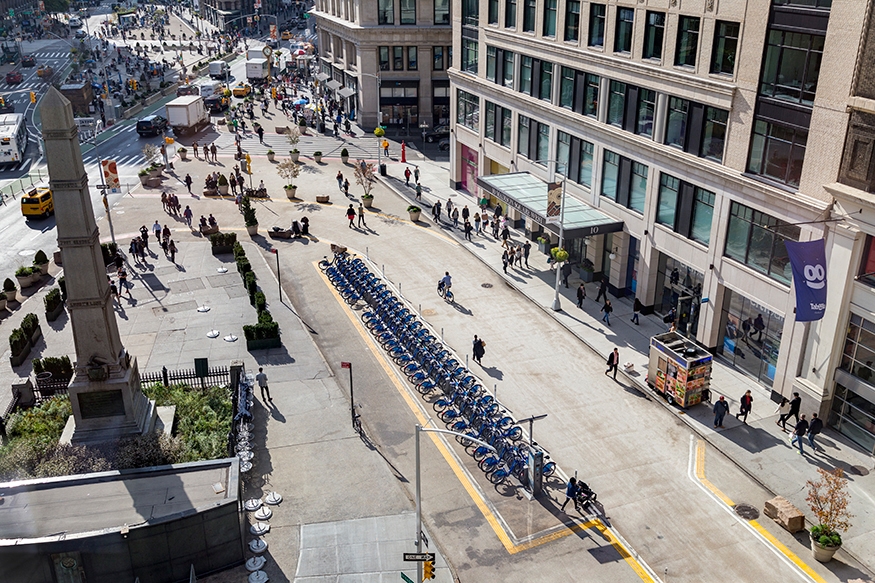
(219,69)
(257,53)
(210,88)
(187,114)
(257,70)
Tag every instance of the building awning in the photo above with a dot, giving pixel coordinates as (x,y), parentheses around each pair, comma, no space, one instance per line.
(334,85)
(345,92)
(322,76)
(528,194)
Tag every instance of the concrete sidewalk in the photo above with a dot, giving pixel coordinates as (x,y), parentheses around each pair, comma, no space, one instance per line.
(759,447)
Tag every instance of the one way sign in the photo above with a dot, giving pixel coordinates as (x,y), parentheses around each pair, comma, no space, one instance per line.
(419,557)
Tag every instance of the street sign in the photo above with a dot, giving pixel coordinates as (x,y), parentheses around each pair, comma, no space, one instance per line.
(345,365)
(419,557)
(424,538)
(406,578)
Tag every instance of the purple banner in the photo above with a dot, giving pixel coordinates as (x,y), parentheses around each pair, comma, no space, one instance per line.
(808,260)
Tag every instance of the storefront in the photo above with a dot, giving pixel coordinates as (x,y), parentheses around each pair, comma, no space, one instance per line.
(751,337)
(470,170)
(679,286)
(853,406)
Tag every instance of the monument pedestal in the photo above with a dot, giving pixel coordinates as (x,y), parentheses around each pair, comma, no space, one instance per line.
(110,408)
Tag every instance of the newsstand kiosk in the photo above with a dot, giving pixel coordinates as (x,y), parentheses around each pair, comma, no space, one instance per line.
(679,369)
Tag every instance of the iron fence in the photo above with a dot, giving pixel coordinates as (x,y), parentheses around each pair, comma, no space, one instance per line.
(218,375)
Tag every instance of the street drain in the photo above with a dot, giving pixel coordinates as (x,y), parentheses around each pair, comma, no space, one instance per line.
(429,312)
(747,512)
(486,285)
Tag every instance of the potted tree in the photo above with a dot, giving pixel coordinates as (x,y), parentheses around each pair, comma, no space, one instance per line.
(317,156)
(288,170)
(294,136)
(24,275)
(183,153)
(828,499)
(41,262)
(9,289)
(54,305)
(271,155)
(249,217)
(414,212)
(223,184)
(302,126)
(365,176)
(344,155)
(144,177)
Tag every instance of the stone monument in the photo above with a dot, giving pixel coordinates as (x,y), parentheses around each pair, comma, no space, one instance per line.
(105,390)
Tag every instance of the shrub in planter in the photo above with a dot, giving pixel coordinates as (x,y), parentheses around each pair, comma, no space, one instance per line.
(559,255)
(30,324)
(40,260)
(317,155)
(249,282)
(23,271)
(243,265)
(260,302)
(109,252)
(344,155)
(9,289)
(53,300)
(239,251)
(17,341)
(59,366)
(249,218)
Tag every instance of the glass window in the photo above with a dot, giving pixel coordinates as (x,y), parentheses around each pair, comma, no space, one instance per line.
(669,186)
(408,11)
(563,152)
(489,121)
(566,88)
(646,107)
(412,62)
(398,58)
(523,136)
(703,212)
(688,41)
(438,53)
(469,55)
(676,129)
(738,232)
(493,12)
(506,126)
(543,143)
(384,58)
(586,153)
(441,11)
(529,15)
(467,109)
(757,240)
(385,12)
(449,57)
(596,25)
(550,18)
(792,66)
(725,47)
(470,12)
(866,273)
(510,13)
(804,3)
(638,187)
(572,20)
(490,63)
(526,75)
(715,134)
(624,29)
(546,81)
(610,175)
(777,152)
(654,33)
(616,103)
(508,69)
(591,95)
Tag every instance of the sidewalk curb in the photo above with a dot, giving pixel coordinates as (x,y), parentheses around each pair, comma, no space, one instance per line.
(641,387)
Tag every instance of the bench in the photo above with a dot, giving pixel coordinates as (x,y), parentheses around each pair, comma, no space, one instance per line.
(211,192)
(283,234)
(208,230)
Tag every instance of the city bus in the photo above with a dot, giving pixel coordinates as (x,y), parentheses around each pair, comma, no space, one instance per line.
(13,138)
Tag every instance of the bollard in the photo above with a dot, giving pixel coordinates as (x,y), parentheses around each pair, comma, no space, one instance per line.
(495,391)
(383,269)
(164,376)
(399,290)
(466,362)
(420,308)
(367,254)
(442,334)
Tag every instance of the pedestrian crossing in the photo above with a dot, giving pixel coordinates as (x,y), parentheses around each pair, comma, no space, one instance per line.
(51,55)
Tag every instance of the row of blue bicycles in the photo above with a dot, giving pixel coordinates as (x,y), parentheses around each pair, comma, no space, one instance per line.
(456,395)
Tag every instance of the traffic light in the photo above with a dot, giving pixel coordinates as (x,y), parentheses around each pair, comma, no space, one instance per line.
(427,570)
(33,97)
(273,92)
(134,84)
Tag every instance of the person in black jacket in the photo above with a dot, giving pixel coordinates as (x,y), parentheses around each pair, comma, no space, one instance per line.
(612,362)
(799,432)
(815,427)
(795,405)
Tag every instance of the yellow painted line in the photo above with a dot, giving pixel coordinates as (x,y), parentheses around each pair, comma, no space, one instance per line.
(464,479)
(769,537)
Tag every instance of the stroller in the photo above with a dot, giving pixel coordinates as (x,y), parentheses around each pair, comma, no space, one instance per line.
(584,495)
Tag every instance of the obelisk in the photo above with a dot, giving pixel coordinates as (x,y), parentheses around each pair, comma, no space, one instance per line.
(105,390)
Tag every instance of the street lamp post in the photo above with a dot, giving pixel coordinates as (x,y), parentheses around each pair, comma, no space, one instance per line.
(424,127)
(557,304)
(379,114)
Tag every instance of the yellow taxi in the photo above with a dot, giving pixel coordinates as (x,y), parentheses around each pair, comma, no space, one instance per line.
(287,35)
(241,89)
(38,203)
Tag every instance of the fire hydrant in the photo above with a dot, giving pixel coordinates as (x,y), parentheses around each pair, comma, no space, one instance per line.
(403,152)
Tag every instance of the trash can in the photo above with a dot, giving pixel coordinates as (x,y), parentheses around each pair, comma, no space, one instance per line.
(382,169)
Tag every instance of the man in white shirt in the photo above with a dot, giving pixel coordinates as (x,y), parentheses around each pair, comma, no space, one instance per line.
(261,379)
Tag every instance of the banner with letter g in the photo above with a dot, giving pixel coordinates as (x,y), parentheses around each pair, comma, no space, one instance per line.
(808,260)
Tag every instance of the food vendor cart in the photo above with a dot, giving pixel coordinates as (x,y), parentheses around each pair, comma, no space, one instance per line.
(679,369)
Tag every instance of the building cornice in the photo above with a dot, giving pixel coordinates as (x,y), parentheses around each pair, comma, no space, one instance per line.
(383,34)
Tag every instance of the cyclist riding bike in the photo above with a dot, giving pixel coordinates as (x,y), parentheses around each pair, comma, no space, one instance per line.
(446,282)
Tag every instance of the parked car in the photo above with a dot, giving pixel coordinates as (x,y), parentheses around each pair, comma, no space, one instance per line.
(444,145)
(151,125)
(28,61)
(13,77)
(437,133)
(242,89)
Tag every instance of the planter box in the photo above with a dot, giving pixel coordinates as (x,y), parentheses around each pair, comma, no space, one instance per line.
(367,202)
(25,281)
(282,129)
(43,268)
(284,234)
(295,156)
(56,313)
(11,295)
(252,230)
(291,193)
(222,249)
(35,278)
(271,157)
(344,159)
(37,334)
(322,198)
(263,344)
(183,155)
(2,302)
(56,256)
(144,180)
(17,359)
(414,216)
(223,189)
(544,248)
(153,182)
(318,159)
(155,173)
(586,275)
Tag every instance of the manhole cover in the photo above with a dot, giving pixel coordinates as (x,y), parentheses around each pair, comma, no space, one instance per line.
(486,285)
(858,471)
(747,511)
(429,312)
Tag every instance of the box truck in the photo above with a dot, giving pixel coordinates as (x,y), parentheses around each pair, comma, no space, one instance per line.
(257,71)
(187,114)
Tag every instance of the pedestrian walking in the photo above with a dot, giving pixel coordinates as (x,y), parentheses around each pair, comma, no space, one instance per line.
(636,310)
(123,281)
(745,407)
(721,408)
(603,289)
(350,214)
(527,248)
(437,211)
(504,261)
(418,191)
(172,247)
(233,183)
(671,319)
(456,218)
(214,151)
(613,362)
(346,186)
(814,428)
(385,145)
(261,379)
(362,216)
(194,147)
(519,256)
(156,228)
(416,173)
(187,214)
(566,272)
(784,409)
(134,250)
(165,233)
(113,289)
(407,174)
(570,494)
(505,235)
(478,349)
(477,223)
(795,405)
(339,179)
(798,433)
(581,295)
(188,182)
(607,309)
(468,230)
(465,213)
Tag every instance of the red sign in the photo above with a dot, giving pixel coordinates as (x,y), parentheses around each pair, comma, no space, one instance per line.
(345,365)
